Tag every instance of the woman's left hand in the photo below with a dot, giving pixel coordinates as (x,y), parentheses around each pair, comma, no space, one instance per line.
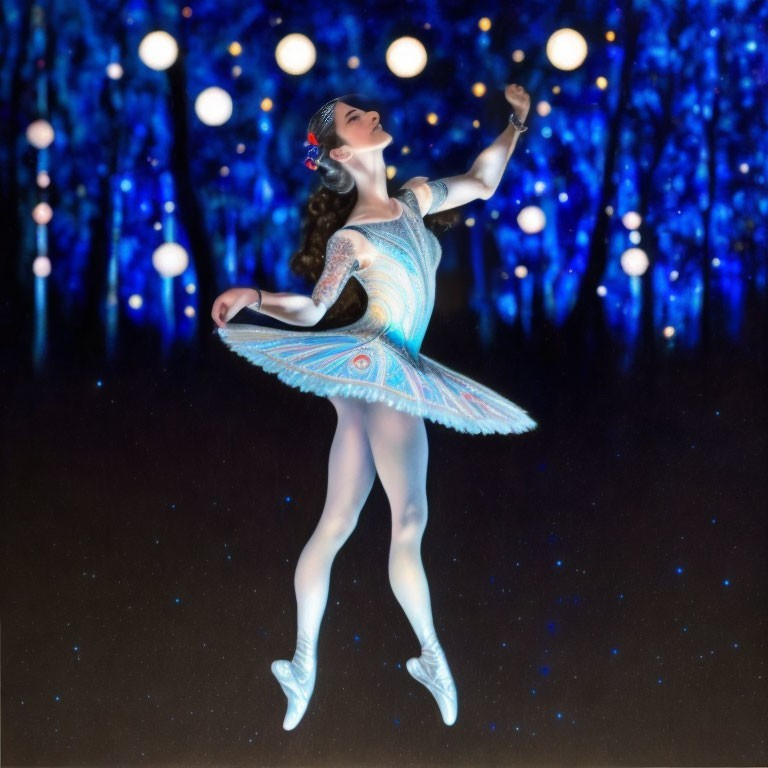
(518,99)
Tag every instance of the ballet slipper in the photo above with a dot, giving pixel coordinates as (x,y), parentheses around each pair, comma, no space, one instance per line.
(297,679)
(431,670)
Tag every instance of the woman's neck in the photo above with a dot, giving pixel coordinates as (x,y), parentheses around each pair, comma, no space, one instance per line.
(370,174)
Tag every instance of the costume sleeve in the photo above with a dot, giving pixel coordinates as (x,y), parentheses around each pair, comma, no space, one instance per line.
(340,263)
(439,191)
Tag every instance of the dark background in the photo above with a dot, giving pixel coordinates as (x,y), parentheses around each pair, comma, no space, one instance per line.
(599,584)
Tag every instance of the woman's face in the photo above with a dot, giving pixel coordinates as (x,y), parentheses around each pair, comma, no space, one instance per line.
(359,130)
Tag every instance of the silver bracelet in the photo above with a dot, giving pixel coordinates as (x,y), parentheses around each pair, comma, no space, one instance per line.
(256,306)
(519,125)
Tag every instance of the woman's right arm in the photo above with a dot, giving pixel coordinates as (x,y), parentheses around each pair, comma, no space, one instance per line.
(294,308)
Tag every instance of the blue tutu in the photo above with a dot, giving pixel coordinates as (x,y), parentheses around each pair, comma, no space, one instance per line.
(377,358)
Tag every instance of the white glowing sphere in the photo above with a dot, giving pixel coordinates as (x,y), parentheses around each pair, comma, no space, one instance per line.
(543,108)
(213,106)
(158,50)
(634,261)
(170,259)
(602,291)
(42,213)
(566,49)
(135,301)
(669,331)
(40,134)
(406,57)
(189,311)
(531,219)
(114,70)
(43,179)
(295,54)
(41,266)
(632,220)
(635,237)
(521,271)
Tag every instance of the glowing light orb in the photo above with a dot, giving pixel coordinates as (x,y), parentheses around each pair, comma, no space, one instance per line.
(135,301)
(42,213)
(190,288)
(484,24)
(170,259)
(521,271)
(469,222)
(213,106)
(41,266)
(353,62)
(632,220)
(114,70)
(518,56)
(634,262)
(235,49)
(158,50)
(566,49)
(602,83)
(295,54)
(543,108)
(40,134)
(189,311)
(267,104)
(43,179)
(531,219)
(391,172)
(669,332)
(406,57)
(635,237)
(475,123)
(478,89)
(432,118)
(602,291)
(610,35)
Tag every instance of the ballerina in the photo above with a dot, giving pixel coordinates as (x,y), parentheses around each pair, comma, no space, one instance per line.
(372,371)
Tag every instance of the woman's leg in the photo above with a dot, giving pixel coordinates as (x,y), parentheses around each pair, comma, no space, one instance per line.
(400,452)
(350,477)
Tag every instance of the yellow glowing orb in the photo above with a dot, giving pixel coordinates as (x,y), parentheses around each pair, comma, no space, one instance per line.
(566,49)
(406,57)
(295,54)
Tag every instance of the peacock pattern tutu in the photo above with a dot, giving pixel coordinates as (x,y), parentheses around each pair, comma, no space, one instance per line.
(377,358)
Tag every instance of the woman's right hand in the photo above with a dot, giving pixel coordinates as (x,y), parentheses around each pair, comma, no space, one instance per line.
(229,303)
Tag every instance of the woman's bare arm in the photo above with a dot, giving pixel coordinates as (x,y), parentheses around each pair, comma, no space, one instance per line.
(482,179)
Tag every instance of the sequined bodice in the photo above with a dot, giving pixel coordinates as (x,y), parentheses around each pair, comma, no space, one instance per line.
(400,282)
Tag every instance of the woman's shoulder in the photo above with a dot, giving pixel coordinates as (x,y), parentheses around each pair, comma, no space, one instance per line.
(417,191)
(353,243)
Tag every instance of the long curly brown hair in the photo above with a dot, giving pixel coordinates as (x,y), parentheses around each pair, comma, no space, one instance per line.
(327,211)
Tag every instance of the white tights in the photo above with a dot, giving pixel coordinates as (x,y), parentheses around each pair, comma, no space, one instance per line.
(370,438)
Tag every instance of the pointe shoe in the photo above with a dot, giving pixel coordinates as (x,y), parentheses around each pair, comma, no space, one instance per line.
(297,685)
(431,670)
(297,679)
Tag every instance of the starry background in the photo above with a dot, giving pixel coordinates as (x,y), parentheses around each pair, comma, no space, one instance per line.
(599,584)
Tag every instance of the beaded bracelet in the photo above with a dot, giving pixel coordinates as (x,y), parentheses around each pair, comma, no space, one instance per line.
(519,125)
(256,306)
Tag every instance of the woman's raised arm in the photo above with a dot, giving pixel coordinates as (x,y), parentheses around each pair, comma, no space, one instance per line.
(482,179)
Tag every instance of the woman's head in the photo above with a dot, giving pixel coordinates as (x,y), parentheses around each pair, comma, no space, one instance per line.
(338,126)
